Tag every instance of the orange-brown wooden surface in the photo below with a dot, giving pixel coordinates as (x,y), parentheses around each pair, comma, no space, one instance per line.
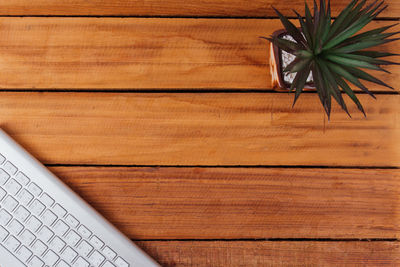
(132,53)
(185,8)
(201,129)
(255,254)
(312,192)
(237,203)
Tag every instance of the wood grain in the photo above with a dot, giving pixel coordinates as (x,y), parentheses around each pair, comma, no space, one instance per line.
(133,53)
(235,203)
(201,129)
(222,254)
(221,8)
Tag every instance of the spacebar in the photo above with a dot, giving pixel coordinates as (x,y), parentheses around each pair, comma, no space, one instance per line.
(8,260)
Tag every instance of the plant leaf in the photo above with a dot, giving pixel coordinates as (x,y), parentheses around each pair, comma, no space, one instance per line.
(301,80)
(291,65)
(375,54)
(288,46)
(316,19)
(368,59)
(297,65)
(352,62)
(367,77)
(350,31)
(340,19)
(350,17)
(360,46)
(327,24)
(305,31)
(323,93)
(368,34)
(303,54)
(332,85)
(291,29)
(348,76)
(346,88)
(309,23)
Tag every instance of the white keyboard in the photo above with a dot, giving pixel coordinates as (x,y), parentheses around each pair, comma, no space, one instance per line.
(43,223)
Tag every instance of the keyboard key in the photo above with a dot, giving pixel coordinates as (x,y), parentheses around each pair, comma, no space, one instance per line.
(22,178)
(27,237)
(109,253)
(37,207)
(96,259)
(50,258)
(69,254)
(5,217)
(23,253)
(72,221)
(80,262)
(4,176)
(45,234)
(46,199)
(57,244)
(2,159)
(35,262)
(48,217)
(59,211)
(3,193)
(10,168)
(13,187)
(12,243)
(120,262)
(10,203)
(3,233)
(108,264)
(21,213)
(39,247)
(62,263)
(60,228)
(72,238)
(24,197)
(84,248)
(35,189)
(96,242)
(84,232)
(15,227)
(33,224)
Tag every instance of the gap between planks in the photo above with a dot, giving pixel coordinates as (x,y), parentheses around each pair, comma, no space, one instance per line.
(227,166)
(221,254)
(273,240)
(171,17)
(176,91)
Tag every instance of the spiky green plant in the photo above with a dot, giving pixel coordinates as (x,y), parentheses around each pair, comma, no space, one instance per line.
(333,52)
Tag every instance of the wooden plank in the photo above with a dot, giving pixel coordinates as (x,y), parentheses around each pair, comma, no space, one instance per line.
(132,53)
(222,254)
(235,203)
(201,129)
(220,8)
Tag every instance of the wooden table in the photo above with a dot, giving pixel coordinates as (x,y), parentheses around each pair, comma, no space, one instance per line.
(161,115)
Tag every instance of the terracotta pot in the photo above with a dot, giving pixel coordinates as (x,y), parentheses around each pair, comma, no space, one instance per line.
(276,69)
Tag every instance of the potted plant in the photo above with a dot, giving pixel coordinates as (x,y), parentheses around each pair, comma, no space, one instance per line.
(326,55)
